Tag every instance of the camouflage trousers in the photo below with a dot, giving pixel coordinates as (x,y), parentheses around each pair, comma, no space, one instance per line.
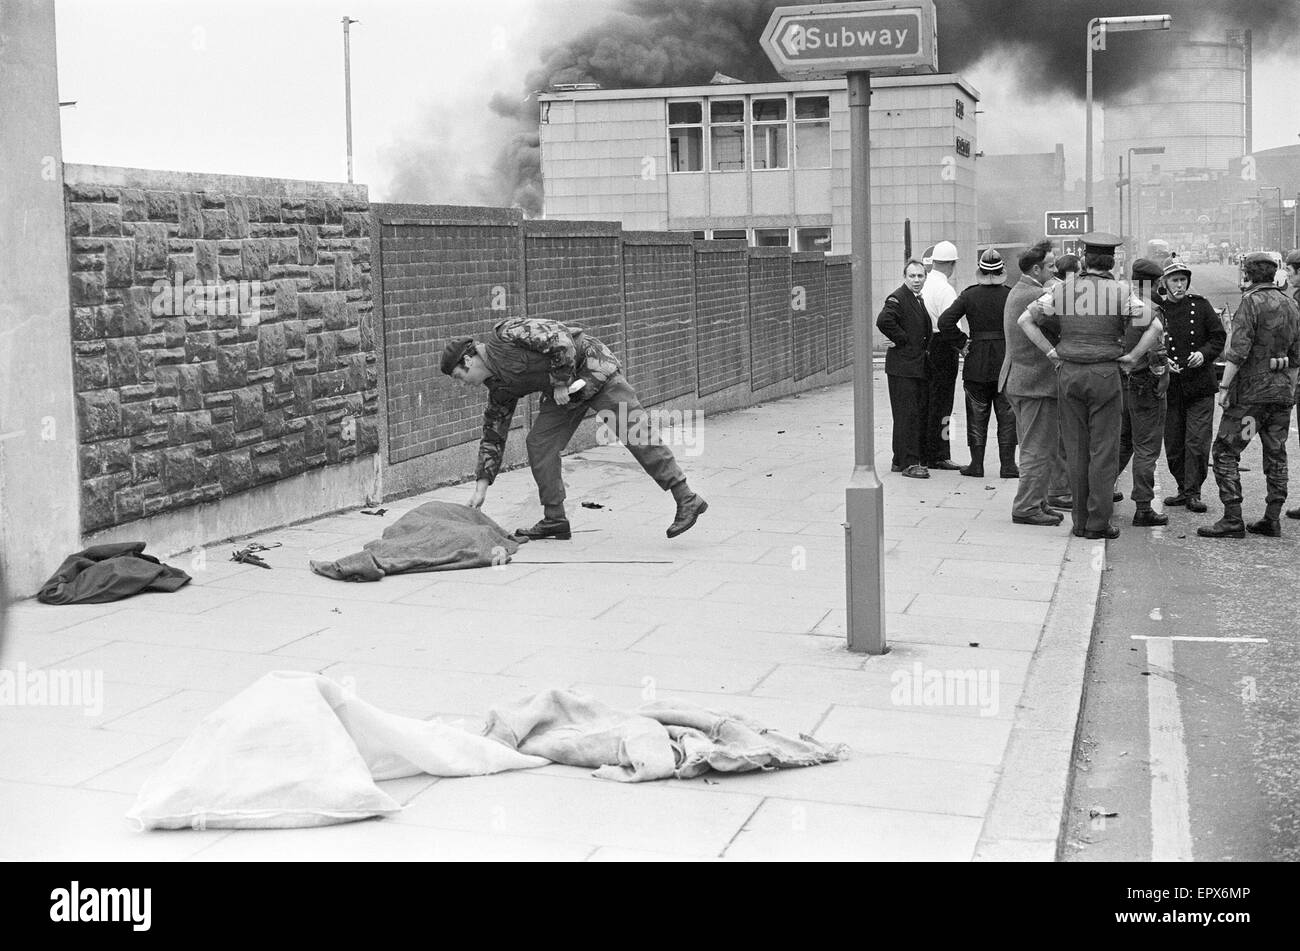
(1237,427)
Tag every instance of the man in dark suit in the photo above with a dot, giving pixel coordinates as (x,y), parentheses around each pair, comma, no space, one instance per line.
(906,323)
(1029,381)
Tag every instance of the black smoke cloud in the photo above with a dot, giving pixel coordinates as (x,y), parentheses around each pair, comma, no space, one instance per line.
(683,42)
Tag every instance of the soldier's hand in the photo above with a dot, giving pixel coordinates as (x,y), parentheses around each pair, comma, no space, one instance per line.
(1127,362)
(479,495)
(561,395)
(1222,399)
(1195,360)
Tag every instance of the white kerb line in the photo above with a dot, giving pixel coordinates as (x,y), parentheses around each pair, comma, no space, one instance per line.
(1204,640)
(1171,832)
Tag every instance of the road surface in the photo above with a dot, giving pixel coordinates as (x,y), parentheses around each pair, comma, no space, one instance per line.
(1190,749)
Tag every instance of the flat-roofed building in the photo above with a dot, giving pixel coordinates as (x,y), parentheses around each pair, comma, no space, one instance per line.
(769,163)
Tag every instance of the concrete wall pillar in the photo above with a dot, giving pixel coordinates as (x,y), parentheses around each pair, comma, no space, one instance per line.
(39,497)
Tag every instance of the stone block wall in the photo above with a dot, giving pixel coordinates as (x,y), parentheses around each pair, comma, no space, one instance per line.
(223,335)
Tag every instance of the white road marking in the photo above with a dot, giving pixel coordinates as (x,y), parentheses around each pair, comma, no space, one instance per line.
(1171,831)
(13,435)
(1188,637)
(1155,615)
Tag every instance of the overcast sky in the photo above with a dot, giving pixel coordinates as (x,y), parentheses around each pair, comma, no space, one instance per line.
(255,87)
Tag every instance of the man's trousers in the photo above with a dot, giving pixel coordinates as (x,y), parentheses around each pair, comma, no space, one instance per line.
(1237,427)
(942,364)
(1189,429)
(1038,428)
(1090,403)
(983,401)
(617,403)
(907,401)
(1141,430)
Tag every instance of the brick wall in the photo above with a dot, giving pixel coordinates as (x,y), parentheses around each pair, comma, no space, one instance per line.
(769,316)
(659,312)
(839,313)
(268,371)
(444,272)
(808,314)
(721,315)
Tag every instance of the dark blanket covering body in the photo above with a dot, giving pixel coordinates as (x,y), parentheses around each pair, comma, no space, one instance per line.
(437,536)
(109,573)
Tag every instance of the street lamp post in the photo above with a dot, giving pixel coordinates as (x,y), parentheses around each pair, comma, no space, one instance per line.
(347,85)
(1278,189)
(1137,150)
(1097,30)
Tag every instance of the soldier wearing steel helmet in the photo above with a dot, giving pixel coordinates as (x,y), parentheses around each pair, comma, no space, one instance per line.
(1091,313)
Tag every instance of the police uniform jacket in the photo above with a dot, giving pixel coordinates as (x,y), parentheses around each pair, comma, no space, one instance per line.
(905,321)
(982,305)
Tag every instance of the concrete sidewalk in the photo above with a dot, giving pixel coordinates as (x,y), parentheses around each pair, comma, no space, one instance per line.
(745,612)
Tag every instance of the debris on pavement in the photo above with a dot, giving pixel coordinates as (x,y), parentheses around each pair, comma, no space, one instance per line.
(592,505)
(373,511)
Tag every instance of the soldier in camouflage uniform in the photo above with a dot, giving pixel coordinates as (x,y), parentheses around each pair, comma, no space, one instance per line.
(1256,394)
(575,373)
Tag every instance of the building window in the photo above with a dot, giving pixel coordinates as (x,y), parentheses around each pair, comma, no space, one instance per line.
(771,133)
(697,235)
(685,137)
(812,131)
(727,135)
(735,234)
(960,108)
(772,237)
(963,147)
(813,239)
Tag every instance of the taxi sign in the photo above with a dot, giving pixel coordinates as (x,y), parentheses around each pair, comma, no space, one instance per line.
(827,40)
(1065,224)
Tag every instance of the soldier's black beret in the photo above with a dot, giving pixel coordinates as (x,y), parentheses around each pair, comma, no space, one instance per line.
(454,352)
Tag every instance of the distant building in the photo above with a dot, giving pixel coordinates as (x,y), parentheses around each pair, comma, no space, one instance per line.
(1015,191)
(1194,101)
(768,163)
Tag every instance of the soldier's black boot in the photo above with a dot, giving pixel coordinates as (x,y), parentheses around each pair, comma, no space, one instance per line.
(1146,516)
(1293,513)
(1194,504)
(976,467)
(1230,526)
(1007,459)
(689,508)
(1270,525)
(557,528)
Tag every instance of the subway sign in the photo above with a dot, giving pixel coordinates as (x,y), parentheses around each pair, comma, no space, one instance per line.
(1065,224)
(825,41)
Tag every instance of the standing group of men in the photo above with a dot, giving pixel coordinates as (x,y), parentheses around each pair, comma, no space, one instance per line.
(1086,372)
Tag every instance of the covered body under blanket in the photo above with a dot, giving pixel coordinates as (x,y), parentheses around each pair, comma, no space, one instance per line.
(437,536)
(298,749)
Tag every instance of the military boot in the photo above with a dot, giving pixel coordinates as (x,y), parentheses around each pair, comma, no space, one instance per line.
(557,528)
(976,467)
(1230,526)
(1146,517)
(1194,504)
(1270,525)
(1293,513)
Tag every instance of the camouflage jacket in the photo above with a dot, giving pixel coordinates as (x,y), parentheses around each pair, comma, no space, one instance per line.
(533,355)
(1266,325)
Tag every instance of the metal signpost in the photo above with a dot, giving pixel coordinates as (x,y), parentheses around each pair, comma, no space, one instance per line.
(826,41)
